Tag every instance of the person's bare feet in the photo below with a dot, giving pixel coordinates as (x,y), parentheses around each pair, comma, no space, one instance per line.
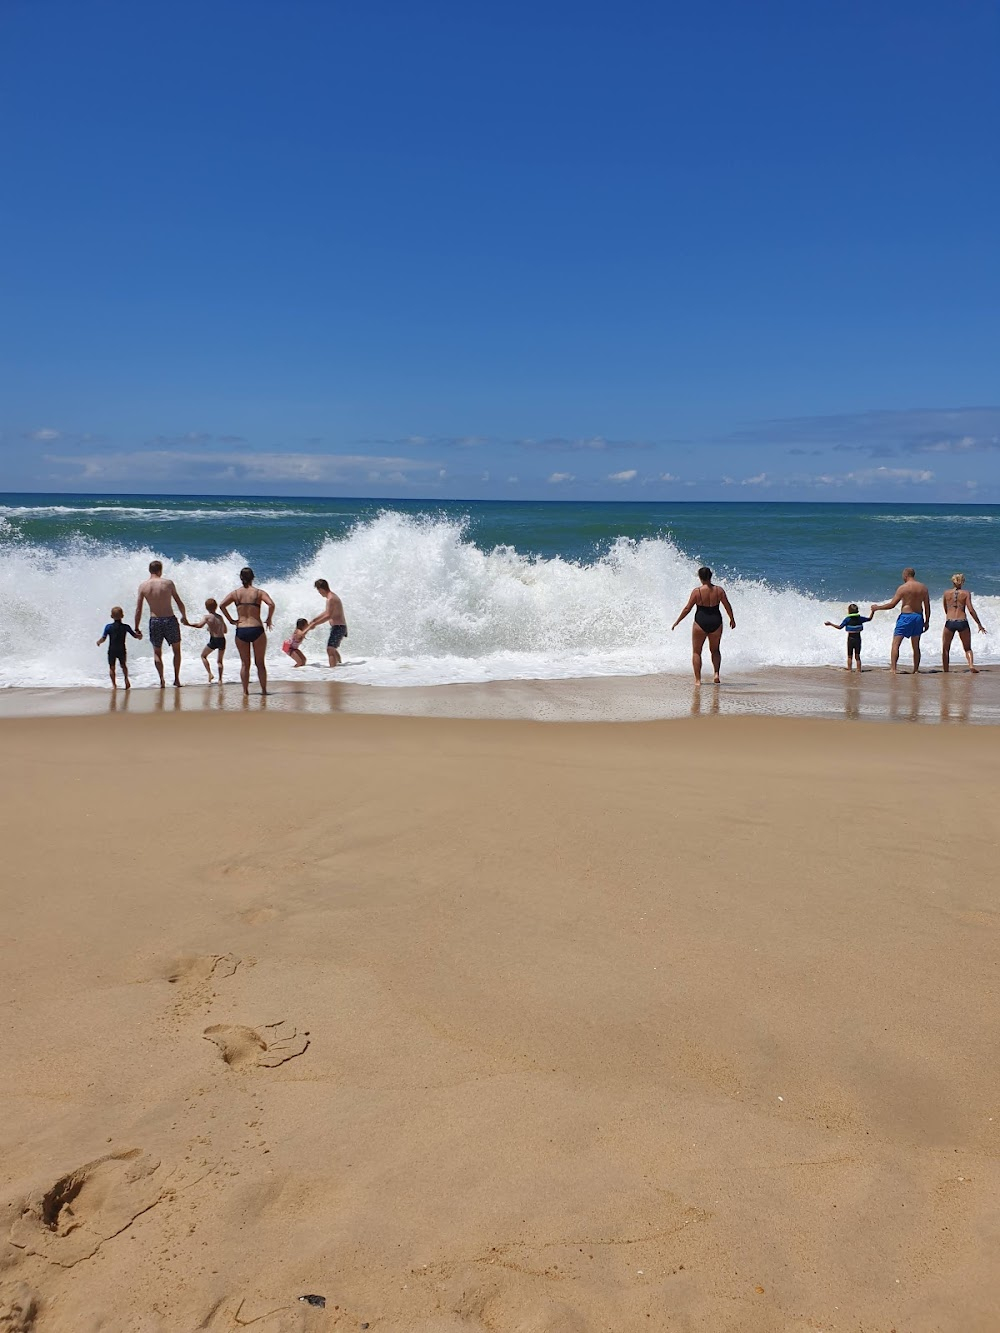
(974,670)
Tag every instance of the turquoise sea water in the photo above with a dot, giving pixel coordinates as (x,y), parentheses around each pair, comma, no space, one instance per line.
(480,590)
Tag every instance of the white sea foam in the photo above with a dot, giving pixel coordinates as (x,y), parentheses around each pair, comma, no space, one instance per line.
(425,606)
(934,518)
(152,513)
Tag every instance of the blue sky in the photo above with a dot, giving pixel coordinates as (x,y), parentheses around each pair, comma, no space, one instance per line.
(640,250)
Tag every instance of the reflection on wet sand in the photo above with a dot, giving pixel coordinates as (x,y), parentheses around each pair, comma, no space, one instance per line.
(874,696)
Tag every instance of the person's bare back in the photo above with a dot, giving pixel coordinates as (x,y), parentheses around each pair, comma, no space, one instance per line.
(159,594)
(913,597)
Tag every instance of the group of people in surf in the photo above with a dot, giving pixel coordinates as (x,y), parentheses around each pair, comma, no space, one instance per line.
(708,601)
(160,595)
(912,597)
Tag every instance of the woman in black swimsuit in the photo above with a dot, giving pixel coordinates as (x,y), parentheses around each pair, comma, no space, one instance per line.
(957,609)
(250,633)
(705,600)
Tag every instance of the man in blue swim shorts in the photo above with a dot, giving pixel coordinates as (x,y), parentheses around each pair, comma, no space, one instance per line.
(914,602)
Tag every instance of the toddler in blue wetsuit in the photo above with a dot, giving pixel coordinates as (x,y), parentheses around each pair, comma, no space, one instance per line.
(853,623)
(115,631)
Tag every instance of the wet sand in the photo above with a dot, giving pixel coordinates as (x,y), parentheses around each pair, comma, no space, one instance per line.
(495,1026)
(821,692)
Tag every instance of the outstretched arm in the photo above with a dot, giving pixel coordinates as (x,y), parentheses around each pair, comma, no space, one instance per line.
(136,633)
(196,624)
(833,626)
(887,606)
(180,605)
(687,608)
(974,615)
(269,603)
(729,610)
(927,609)
(227,601)
(321,620)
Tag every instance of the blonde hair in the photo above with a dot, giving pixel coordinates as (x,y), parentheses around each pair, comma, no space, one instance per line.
(117,613)
(958,579)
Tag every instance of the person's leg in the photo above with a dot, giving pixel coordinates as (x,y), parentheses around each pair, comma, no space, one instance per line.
(916,653)
(222,653)
(698,637)
(205,654)
(946,637)
(715,648)
(966,636)
(158,661)
(894,655)
(259,651)
(177,662)
(298,657)
(111,673)
(244,648)
(128,683)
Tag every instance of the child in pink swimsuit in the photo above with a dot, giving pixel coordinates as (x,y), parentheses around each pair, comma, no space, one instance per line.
(292,646)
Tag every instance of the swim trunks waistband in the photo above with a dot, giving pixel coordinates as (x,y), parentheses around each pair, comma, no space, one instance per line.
(910,625)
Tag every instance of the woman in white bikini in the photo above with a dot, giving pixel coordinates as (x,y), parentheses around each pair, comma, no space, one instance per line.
(957,610)
(705,600)
(251,634)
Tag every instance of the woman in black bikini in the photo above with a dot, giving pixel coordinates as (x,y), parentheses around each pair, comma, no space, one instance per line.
(706,600)
(957,610)
(250,633)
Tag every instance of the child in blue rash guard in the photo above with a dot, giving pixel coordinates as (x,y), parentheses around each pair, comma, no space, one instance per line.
(115,631)
(853,623)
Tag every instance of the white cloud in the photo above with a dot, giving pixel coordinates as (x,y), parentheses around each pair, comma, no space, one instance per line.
(512,481)
(557,478)
(211,465)
(867,475)
(45,434)
(629,474)
(761,479)
(668,476)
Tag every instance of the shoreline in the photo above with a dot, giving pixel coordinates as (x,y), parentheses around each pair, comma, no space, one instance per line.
(934,696)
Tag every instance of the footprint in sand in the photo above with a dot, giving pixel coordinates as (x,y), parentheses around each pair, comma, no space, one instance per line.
(269,1046)
(196,969)
(257,916)
(73,1218)
(18,1309)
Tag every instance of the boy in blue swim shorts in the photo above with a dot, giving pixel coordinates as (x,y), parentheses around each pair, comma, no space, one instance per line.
(914,602)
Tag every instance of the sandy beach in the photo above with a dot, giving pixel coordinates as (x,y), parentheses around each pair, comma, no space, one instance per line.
(472,1025)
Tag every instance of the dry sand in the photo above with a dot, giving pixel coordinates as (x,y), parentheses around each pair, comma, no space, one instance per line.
(498,1026)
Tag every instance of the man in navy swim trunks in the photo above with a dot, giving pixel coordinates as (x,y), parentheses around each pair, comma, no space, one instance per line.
(334,617)
(159,594)
(914,602)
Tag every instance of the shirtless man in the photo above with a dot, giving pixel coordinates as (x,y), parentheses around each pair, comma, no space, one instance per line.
(159,594)
(913,619)
(334,613)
